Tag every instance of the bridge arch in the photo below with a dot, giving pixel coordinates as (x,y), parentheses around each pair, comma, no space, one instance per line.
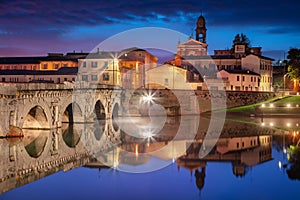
(71,135)
(35,116)
(99,110)
(100,113)
(35,141)
(115,115)
(71,113)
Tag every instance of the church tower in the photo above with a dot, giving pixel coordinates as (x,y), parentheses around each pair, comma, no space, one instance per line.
(201,29)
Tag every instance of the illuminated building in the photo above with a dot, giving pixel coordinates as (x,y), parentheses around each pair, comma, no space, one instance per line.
(240,57)
(54,68)
(125,68)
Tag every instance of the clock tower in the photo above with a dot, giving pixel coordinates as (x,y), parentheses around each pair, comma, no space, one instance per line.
(201,29)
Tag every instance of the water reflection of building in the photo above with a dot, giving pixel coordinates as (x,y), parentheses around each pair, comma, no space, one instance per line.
(242,152)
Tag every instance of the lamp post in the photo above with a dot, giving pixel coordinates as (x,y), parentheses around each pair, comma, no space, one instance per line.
(284,82)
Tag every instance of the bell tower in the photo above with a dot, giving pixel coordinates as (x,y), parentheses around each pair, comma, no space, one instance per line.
(201,29)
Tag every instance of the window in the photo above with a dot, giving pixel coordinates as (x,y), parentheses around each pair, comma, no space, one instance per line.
(7,67)
(214,88)
(15,67)
(238,78)
(65,79)
(105,64)
(237,145)
(94,64)
(24,67)
(85,77)
(45,66)
(251,79)
(84,64)
(58,80)
(56,66)
(65,65)
(254,79)
(3,79)
(166,81)
(105,77)
(94,77)
(243,78)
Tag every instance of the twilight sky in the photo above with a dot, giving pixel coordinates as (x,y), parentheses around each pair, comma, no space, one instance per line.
(30,27)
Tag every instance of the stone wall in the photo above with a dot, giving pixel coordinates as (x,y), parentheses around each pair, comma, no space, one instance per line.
(184,102)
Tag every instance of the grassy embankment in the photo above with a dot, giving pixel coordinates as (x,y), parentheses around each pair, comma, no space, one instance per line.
(286,105)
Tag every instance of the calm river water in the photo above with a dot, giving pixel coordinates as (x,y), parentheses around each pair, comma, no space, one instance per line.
(246,159)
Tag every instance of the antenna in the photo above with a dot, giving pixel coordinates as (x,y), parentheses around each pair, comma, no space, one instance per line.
(201,7)
(200,2)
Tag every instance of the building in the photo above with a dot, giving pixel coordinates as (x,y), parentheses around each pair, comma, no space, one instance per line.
(171,77)
(54,68)
(239,57)
(240,80)
(49,76)
(124,68)
(53,61)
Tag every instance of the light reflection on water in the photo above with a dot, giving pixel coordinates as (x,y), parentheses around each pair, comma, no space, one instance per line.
(249,161)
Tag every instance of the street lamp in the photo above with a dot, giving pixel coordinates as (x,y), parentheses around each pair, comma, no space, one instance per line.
(284,82)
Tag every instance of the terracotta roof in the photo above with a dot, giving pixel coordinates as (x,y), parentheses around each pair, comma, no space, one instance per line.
(241,72)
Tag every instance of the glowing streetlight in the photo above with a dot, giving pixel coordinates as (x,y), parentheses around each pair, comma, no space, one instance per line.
(263,105)
(271,124)
(288,105)
(148,98)
(284,82)
(271,105)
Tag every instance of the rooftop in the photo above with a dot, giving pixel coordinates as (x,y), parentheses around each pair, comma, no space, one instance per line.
(61,71)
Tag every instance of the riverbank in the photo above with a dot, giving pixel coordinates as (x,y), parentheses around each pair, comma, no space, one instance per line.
(279,106)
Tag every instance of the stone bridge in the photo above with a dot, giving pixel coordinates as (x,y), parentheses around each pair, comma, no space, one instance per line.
(48,106)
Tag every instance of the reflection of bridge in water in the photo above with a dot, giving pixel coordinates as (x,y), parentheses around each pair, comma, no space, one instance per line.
(44,152)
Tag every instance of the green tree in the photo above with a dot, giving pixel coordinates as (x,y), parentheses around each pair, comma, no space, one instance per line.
(245,40)
(294,66)
(236,40)
(241,39)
